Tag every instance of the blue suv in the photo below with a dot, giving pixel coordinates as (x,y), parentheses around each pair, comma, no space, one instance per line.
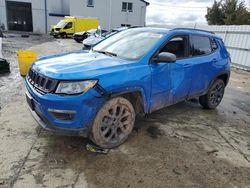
(98,93)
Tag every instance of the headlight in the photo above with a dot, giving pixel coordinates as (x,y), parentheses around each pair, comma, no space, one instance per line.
(74,87)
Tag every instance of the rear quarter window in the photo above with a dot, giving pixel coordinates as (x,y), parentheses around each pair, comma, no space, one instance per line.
(201,45)
(214,45)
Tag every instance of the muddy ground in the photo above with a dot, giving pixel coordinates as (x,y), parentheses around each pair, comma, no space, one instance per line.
(180,146)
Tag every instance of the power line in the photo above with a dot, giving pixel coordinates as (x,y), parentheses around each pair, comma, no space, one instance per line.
(177,6)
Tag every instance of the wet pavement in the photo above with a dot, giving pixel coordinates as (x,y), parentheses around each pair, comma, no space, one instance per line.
(180,146)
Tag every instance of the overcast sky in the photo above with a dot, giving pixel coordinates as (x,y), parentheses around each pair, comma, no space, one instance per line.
(171,12)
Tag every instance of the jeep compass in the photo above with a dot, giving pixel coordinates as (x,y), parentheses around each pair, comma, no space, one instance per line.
(98,93)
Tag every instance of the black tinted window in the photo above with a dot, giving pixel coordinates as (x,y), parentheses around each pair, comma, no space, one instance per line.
(130,7)
(178,46)
(90,3)
(200,45)
(68,26)
(127,7)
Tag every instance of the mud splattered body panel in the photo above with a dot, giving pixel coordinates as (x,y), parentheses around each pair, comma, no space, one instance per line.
(159,84)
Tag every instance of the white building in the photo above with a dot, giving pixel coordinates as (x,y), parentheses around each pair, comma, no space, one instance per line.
(39,15)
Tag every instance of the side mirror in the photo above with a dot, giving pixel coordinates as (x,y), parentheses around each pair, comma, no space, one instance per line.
(165,57)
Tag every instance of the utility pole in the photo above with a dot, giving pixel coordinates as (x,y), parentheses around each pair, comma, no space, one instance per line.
(46,16)
(110,14)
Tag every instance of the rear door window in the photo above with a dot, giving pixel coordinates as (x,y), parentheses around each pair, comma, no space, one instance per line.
(201,45)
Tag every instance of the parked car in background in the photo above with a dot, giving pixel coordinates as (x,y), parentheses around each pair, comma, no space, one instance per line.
(80,36)
(97,94)
(70,25)
(91,41)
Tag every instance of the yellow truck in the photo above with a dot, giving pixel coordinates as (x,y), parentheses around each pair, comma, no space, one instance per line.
(70,25)
(51,30)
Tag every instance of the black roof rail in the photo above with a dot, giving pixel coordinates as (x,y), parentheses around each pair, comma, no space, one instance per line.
(193,30)
(136,26)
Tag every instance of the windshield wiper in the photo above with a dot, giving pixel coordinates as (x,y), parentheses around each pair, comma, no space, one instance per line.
(105,52)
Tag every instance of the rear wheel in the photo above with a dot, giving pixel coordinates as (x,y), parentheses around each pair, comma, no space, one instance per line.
(113,123)
(214,96)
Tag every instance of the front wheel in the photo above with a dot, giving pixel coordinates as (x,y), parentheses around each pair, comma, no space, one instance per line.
(63,35)
(113,123)
(214,96)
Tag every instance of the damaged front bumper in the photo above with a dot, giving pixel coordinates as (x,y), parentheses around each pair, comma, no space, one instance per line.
(64,115)
(56,130)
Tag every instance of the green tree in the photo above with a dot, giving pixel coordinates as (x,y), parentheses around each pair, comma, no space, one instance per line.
(228,12)
(243,16)
(229,9)
(215,14)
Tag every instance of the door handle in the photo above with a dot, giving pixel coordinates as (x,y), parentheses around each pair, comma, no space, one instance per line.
(214,60)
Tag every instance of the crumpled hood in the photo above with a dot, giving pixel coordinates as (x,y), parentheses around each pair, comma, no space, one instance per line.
(79,65)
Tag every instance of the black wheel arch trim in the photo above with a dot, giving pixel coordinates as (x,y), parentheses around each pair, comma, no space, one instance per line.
(227,73)
(123,93)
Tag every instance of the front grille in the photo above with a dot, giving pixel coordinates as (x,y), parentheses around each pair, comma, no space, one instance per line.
(58,29)
(41,82)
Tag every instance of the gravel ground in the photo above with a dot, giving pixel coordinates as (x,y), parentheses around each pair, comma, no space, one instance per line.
(179,146)
(10,84)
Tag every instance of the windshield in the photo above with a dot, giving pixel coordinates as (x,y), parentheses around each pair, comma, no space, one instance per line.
(130,44)
(61,24)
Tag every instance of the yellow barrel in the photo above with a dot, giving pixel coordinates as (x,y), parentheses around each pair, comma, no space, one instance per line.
(25,60)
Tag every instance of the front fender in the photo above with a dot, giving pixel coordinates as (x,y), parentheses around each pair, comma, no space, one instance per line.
(134,77)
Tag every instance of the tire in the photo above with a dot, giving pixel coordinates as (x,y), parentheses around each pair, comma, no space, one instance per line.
(113,123)
(64,35)
(214,96)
